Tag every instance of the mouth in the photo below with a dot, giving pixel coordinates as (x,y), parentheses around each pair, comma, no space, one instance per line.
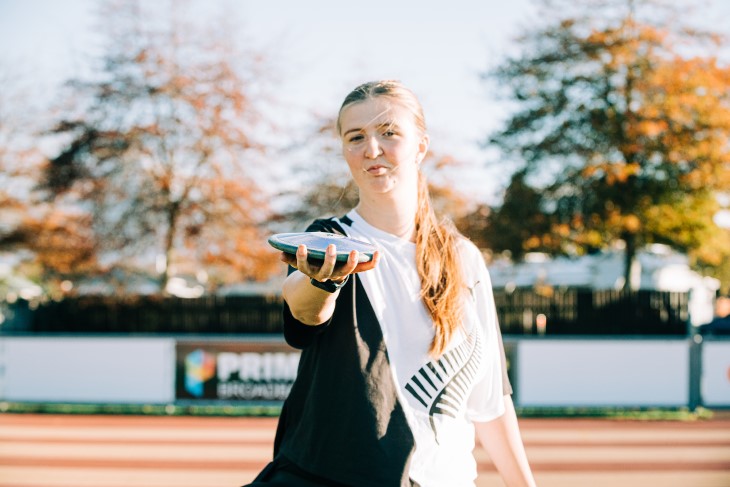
(376,170)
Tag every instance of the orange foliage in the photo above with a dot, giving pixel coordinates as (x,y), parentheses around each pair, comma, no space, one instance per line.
(62,242)
(172,134)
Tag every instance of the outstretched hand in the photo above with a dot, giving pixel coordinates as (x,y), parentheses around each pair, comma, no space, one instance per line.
(329,269)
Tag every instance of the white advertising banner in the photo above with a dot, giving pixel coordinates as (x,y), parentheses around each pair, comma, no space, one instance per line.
(715,382)
(602,372)
(84,369)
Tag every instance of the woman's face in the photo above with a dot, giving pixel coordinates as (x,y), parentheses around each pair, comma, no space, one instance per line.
(382,145)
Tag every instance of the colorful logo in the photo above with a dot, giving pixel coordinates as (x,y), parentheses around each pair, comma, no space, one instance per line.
(199,368)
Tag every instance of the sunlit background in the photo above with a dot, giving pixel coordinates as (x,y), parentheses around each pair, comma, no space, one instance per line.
(148,149)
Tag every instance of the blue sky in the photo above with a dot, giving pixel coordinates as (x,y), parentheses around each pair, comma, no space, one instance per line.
(323,48)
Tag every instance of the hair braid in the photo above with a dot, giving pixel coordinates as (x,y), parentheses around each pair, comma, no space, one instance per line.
(439,268)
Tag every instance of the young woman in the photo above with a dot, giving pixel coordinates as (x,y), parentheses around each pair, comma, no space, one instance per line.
(402,363)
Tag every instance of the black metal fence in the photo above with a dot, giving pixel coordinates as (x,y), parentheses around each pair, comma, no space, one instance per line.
(147,314)
(592,312)
(521,312)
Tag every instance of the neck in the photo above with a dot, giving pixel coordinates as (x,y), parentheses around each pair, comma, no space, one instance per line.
(391,215)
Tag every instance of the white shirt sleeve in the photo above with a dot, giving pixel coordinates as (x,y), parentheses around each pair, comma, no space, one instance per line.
(486,401)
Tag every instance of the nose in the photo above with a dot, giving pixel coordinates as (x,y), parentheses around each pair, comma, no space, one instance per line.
(372,148)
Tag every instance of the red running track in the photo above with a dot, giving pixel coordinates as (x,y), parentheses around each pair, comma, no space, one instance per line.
(159,451)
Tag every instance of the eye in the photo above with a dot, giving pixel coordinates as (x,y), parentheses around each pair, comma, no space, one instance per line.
(355,138)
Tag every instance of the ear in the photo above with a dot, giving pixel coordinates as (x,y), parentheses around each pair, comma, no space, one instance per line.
(423,145)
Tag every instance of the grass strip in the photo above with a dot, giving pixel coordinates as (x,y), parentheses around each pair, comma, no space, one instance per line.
(273,410)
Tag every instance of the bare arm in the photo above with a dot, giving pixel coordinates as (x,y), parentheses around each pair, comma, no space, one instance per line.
(311,305)
(502,441)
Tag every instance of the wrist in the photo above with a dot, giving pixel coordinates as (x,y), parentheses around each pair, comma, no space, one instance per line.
(330,285)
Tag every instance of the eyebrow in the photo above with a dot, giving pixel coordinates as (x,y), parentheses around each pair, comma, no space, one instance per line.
(388,124)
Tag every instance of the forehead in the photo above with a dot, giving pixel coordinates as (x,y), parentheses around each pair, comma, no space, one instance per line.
(374,112)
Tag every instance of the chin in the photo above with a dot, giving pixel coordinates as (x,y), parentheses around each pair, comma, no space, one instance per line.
(381,187)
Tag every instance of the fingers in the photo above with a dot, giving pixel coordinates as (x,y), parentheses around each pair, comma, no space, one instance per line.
(288,259)
(366,266)
(329,268)
(349,266)
(301,260)
(319,272)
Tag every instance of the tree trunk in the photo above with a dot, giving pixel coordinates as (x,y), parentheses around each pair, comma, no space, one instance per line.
(172,215)
(629,261)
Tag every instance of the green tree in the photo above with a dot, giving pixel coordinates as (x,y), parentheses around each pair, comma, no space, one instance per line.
(160,149)
(622,128)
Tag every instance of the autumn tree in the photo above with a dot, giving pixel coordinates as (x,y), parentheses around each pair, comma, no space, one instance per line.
(15,174)
(320,182)
(621,132)
(39,241)
(159,145)
(521,203)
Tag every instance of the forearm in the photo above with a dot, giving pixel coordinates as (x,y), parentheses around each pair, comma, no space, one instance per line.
(502,441)
(308,304)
